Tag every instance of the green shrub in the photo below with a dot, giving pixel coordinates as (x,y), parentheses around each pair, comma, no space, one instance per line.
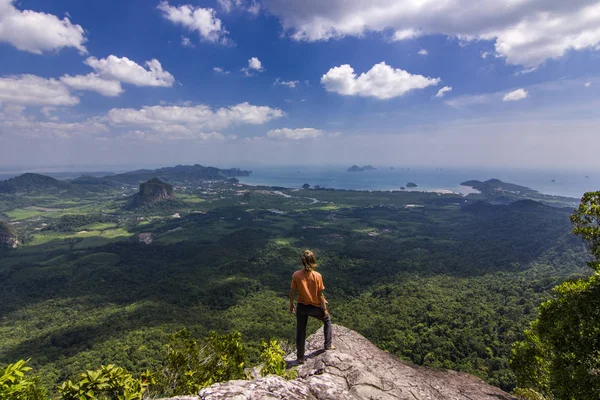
(107,383)
(15,385)
(189,365)
(273,362)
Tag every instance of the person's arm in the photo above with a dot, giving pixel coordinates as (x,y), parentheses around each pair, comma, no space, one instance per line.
(293,290)
(323,302)
(322,297)
(292,297)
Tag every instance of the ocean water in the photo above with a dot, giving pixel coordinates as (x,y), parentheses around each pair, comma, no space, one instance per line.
(561,183)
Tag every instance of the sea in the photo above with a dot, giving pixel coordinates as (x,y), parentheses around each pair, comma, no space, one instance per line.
(568,183)
(560,182)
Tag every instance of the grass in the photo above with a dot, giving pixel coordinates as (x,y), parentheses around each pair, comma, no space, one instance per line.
(49,236)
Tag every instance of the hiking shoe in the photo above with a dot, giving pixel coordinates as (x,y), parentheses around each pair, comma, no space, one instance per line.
(331,347)
(300,360)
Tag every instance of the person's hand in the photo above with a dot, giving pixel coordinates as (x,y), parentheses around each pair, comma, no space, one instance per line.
(326,312)
(292,309)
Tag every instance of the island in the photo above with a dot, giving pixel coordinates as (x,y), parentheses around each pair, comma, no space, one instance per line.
(356,168)
(411,185)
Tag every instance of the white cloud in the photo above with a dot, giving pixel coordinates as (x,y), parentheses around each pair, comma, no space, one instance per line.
(150,135)
(515,95)
(381,81)
(186,42)
(525,32)
(34,90)
(588,84)
(526,71)
(37,32)
(290,84)
(253,7)
(189,119)
(295,134)
(94,83)
(196,19)
(220,70)
(443,91)
(403,34)
(423,52)
(254,65)
(125,70)
(228,5)
(13,122)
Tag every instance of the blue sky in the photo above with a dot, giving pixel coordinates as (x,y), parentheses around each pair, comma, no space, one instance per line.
(503,83)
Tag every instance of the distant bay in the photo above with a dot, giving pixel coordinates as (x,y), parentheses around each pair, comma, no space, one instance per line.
(561,183)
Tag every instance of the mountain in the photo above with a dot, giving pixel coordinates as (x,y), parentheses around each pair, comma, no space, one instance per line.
(180,174)
(151,192)
(497,186)
(31,183)
(93,184)
(356,370)
(8,235)
(499,192)
(356,168)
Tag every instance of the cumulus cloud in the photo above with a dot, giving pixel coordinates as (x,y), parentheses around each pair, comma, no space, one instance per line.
(125,70)
(34,90)
(295,134)
(423,52)
(588,84)
(524,32)
(37,32)
(443,91)
(254,65)
(14,122)
(190,119)
(290,84)
(94,83)
(381,81)
(196,19)
(516,95)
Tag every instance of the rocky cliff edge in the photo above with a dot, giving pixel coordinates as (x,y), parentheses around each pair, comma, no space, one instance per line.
(357,369)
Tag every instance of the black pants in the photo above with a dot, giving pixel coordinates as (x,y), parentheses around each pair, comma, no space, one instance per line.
(304,311)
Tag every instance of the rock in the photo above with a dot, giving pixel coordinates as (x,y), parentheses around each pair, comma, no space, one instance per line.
(151,192)
(356,370)
(145,237)
(8,236)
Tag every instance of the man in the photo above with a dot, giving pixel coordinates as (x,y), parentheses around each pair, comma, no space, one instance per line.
(311,302)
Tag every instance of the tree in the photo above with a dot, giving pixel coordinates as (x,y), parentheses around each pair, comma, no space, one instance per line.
(560,354)
(586,223)
(305,186)
(16,385)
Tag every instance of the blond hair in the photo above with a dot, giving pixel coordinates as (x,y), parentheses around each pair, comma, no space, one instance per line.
(308,260)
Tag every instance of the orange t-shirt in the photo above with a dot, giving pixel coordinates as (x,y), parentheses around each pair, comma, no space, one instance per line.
(309,284)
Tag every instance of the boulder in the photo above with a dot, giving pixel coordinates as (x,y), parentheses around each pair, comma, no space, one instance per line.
(357,369)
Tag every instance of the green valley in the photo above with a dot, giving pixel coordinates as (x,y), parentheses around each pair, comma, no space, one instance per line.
(441,280)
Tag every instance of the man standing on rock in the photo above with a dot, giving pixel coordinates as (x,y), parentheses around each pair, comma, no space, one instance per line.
(311,302)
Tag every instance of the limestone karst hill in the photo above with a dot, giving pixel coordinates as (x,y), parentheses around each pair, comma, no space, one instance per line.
(356,370)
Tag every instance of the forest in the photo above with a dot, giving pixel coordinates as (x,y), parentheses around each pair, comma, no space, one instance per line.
(444,281)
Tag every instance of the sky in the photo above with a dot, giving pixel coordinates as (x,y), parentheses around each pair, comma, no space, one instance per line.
(492,83)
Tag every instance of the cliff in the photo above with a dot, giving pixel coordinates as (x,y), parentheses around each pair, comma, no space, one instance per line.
(356,370)
(150,193)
